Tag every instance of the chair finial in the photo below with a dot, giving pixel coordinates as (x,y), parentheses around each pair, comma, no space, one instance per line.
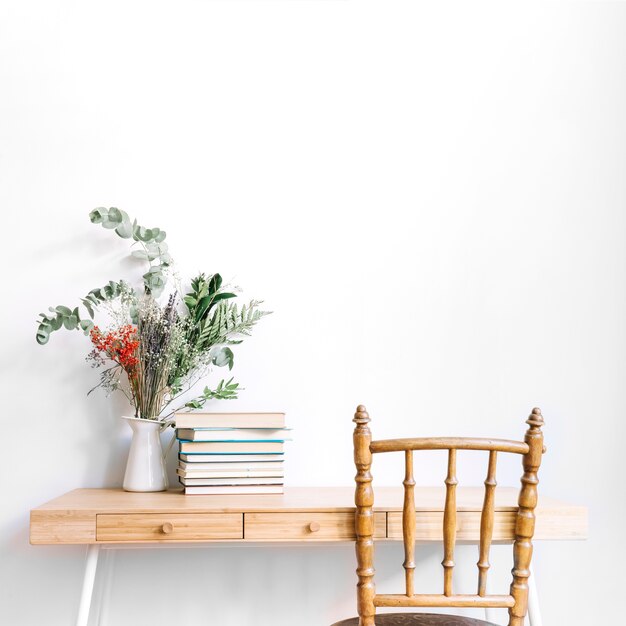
(361,416)
(535,419)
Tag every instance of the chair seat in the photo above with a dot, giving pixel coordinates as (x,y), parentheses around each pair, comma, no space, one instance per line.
(418,619)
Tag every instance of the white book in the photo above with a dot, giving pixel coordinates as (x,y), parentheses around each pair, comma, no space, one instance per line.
(232,434)
(230,458)
(235,467)
(230,474)
(230,420)
(236,447)
(231,490)
(231,481)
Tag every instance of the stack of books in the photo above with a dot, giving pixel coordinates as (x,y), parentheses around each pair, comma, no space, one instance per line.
(231,453)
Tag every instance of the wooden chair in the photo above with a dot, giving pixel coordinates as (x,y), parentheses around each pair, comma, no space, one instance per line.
(531,450)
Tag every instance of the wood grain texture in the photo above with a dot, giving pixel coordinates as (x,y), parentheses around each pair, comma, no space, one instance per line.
(317,526)
(364,518)
(429,526)
(408,523)
(449,523)
(158,527)
(62,526)
(448,443)
(487,523)
(525,518)
(71,518)
(418,619)
(427,600)
(569,523)
(566,523)
(294,499)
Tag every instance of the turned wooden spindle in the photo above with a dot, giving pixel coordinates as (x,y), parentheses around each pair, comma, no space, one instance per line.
(531,450)
(364,520)
(486,523)
(525,519)
(408,523)
(449,524)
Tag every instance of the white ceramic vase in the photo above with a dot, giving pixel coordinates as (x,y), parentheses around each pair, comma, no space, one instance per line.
(145,469)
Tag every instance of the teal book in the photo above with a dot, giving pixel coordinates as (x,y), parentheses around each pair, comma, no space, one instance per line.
(233,447)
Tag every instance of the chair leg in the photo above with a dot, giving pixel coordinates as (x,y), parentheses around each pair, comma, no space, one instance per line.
(89,578)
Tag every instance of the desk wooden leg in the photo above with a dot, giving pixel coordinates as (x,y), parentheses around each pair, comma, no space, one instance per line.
(89,578)
(534,611)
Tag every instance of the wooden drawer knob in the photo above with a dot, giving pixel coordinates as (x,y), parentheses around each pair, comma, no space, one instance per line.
(314,527)
(167,528)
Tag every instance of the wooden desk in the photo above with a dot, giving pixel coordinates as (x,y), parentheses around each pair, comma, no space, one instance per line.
(114,518)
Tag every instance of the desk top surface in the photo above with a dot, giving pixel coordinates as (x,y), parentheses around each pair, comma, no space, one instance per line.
(294,499)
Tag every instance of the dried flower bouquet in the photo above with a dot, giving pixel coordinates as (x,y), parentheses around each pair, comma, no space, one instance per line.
(155,353)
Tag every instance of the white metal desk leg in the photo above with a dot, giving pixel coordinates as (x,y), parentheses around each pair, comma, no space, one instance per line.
(490,615)
(106,573)
(534,612)
(88,580)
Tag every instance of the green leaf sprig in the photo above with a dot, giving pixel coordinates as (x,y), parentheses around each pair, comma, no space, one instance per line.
(226,390)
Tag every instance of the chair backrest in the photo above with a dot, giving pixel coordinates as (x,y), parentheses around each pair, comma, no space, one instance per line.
(531,450)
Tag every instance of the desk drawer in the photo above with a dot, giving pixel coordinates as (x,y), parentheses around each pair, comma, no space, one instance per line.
(317,526)
(169,527)
(429,525)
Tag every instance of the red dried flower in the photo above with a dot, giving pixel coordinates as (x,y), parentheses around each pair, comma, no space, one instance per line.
(120,345)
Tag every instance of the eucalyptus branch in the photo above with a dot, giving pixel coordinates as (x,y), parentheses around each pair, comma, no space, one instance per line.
(64,317)
(152,240)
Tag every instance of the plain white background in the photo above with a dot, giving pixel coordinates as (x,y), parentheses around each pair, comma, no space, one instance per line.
(429,196)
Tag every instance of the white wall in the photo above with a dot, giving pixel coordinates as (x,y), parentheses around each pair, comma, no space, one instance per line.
(430,196)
